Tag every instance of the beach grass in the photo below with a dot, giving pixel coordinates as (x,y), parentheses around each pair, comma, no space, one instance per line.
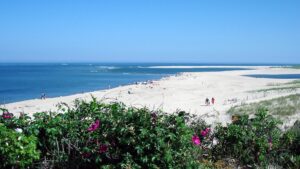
(285,88)
(293,82)
(296,67)
(281,107)
(289,86)
(288,67)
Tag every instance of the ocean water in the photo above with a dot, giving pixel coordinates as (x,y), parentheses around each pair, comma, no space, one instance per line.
(277,76)
(28,81)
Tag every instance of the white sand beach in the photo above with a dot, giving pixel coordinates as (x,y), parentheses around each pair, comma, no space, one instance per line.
(186,91)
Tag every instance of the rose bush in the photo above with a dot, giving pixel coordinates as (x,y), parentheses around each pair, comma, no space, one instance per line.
(110,135)
(97,135)
(252,141)
(289,150)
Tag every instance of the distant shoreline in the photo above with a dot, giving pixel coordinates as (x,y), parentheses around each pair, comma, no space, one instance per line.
(24,82)
(186,91)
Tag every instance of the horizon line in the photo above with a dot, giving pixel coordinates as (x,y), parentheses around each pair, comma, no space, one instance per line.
(153,62)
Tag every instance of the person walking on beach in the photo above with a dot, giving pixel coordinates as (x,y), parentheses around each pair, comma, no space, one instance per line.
(212,100)
(207,101)
(43,96)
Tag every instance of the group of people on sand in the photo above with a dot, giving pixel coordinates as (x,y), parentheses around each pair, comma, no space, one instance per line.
(43,96)
(207,101)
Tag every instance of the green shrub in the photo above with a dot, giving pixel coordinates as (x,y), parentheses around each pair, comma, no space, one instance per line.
(289,150)
(16,149)
(95,135)
(251,141)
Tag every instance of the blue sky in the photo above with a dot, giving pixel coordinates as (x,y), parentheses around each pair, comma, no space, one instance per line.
(200,31)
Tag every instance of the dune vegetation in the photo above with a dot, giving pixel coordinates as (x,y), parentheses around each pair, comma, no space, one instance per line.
(98,135)
(280,107)
(279,87)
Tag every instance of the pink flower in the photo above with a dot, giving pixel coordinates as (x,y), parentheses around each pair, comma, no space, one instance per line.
(103,148)
(196,140)
(203,133)
(6,115)
(94,126)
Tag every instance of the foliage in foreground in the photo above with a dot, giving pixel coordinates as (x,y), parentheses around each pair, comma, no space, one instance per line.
(290,147)
(251,141)
(97,135)
(258,142)
(16,149)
